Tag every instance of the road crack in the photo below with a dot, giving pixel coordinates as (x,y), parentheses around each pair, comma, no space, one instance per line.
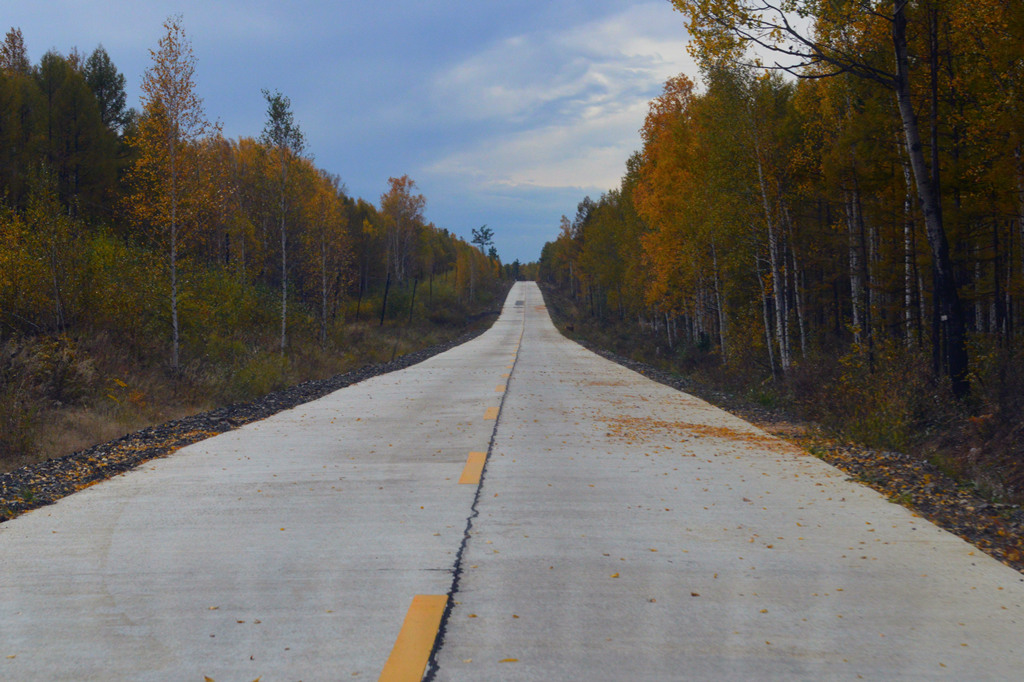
(433,667)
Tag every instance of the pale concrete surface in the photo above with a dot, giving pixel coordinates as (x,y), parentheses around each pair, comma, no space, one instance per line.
(625,531)
(630,532)
(288,549)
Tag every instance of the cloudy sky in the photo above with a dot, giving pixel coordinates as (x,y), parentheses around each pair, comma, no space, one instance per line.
(504,113)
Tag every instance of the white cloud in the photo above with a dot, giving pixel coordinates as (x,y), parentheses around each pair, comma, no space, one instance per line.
(560,108)
(588,151)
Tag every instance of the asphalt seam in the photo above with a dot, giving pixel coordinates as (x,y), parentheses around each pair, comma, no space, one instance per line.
(433,667)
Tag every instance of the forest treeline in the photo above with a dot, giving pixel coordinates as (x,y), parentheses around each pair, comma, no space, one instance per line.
(835,218)
(143,254)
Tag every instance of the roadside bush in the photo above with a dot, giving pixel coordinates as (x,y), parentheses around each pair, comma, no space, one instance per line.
(19,405)
(60,371)
(888,398)
(992,450)
(259,375)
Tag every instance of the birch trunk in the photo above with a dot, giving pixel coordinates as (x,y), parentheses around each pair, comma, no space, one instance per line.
(799,301)
(323,289)
(947,298)
(174,259)
(284,278)
(766,317)
(718,304)
(909,258)
(774,265)
(856,286)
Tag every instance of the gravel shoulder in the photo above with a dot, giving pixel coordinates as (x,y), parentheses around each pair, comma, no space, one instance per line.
(44,483)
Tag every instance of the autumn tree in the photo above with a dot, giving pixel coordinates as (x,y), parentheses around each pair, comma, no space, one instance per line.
(366,234)
(403,214)
(19,112)
(74,142)
(283,136)
(53,233)
(13,55)
(165,193)
(325,243)
(483,238)
(108,86)
(255,211)
(839,42)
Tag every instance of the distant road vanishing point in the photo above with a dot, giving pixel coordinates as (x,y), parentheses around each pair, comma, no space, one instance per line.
(517,508)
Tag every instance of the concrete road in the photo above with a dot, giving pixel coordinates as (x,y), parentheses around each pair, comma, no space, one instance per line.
(622,531)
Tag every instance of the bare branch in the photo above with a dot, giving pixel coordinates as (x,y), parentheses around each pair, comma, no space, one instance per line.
(768,21)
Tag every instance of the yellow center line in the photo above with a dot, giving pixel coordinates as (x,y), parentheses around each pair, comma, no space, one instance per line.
(505,376)
(491,413)
(474,467)
(409,657)
(500,388)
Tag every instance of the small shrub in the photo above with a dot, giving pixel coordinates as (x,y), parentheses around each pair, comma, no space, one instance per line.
(259,376)
(60,371)
(20,404)
(891,400)
(18,426)
(993,437)
(764,394)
